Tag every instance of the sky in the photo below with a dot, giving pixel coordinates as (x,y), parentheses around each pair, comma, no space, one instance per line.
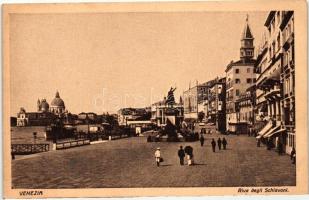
(102,62)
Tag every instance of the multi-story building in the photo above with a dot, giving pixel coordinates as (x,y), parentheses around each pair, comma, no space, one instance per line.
(288,77)
(240,75)
(276,80)
(216,104)
(260,66)
(245,107)
(196,100)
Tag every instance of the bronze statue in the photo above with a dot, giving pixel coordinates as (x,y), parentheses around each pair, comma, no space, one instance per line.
(170,96)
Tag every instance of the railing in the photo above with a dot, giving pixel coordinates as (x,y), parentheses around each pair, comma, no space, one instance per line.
(22,149)
(73,143)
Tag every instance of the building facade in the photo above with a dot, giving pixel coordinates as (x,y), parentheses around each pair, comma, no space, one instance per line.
(240,75)
(196,100)
(276,80)
(288,77)
(245,109)
(216,104)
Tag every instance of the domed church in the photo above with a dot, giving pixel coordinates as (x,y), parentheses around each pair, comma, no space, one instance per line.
(43,106)
(57,105)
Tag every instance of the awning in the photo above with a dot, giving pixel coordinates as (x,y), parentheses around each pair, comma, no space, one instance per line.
(271,131)
(266,128)
(277,132)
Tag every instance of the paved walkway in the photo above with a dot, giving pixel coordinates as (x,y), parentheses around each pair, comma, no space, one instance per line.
(130,163)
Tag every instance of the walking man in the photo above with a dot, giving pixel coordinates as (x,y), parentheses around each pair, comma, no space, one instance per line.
(219,143)
(202,140)
(158,156)
(213,144)
(224,143)
(181,155)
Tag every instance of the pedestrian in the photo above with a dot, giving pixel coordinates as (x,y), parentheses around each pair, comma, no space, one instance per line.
(258,144)
(280,149)
(293,155)
(224,143)
(158,156)
(249,131)
(181,155)
(202,140)
(189,152)
(219,143)
(213,144)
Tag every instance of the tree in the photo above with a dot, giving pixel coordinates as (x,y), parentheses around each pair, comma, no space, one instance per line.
(201,116)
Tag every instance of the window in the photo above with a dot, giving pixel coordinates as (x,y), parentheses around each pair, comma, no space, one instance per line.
(249,80)
(237,80)
(254,80)
(248,70)
(237,92)
(248,53)
(237,71)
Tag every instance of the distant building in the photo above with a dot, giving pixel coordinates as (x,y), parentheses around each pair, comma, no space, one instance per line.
(132,114)
(57,105)
(216,104)
(89,117)
(161,111)
(240,75)
(195,101)
(45,113)
(245,105)
(34,118)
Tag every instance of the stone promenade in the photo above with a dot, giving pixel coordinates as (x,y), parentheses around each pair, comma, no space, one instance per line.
(130,163)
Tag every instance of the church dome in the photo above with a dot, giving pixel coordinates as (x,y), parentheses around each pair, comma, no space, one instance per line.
(57,101)
(44,105)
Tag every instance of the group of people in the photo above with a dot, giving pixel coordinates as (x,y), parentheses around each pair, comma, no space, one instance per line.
(220,143)
(187,152)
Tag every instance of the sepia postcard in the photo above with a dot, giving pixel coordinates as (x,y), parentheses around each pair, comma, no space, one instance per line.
(155,99)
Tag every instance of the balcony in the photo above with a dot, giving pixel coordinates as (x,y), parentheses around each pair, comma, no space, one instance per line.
(273,93)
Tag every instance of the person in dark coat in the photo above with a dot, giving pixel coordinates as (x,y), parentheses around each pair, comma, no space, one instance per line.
(181,155)
(224,143)
(189,152)
(280,148)
(202,140)
(213,144)
(293,155)
(219,143)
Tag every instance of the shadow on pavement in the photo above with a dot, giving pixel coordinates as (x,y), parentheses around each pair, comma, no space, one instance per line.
(166,165)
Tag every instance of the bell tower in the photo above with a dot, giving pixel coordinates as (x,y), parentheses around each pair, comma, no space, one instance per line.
(247,48)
